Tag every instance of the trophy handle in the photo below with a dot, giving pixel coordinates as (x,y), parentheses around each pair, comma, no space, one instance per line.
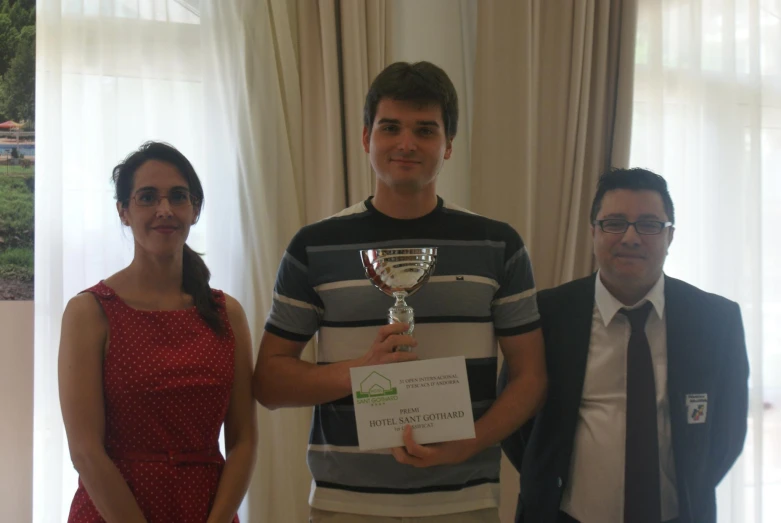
(402,313)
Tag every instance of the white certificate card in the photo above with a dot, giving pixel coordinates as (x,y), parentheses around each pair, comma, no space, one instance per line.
(431,395)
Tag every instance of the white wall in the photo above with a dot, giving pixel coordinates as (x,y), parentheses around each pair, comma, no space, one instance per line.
(442,32)
(16,406)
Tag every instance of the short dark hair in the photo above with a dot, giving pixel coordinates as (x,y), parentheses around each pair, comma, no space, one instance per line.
(634,179)
(421,82)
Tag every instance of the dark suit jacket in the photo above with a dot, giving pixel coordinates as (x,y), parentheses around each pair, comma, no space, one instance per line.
(706,353)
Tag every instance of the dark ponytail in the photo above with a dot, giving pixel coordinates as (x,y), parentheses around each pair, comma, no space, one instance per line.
(195,282)
(195,274)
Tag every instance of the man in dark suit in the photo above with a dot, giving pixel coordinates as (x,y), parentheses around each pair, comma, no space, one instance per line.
(648,399)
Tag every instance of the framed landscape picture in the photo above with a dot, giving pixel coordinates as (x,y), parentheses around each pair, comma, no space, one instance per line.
(17,148)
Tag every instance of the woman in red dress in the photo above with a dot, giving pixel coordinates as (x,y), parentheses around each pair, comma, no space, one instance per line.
(153,362)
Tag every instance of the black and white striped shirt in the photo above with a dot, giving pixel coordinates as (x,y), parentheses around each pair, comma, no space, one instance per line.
(482,288)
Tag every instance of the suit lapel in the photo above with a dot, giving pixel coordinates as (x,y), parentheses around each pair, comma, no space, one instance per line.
(678,326)
(675,319)
(576,317)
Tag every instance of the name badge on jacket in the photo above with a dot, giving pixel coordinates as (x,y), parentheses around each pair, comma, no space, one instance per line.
(696,408)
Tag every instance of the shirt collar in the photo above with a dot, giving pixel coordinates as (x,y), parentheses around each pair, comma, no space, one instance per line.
(609,305)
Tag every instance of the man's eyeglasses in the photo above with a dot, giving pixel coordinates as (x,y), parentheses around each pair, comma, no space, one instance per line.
(645,227)
(176,197)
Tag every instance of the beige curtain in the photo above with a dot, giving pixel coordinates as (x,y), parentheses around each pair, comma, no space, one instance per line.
(289,76)
(364,51)
(256,144)
(552,106)
(552,111)
(323,158)
(343,46)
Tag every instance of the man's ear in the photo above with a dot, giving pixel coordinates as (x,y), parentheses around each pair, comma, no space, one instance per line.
(365,138)
(449,147)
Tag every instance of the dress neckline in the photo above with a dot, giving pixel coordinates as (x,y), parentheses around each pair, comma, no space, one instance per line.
(109,292)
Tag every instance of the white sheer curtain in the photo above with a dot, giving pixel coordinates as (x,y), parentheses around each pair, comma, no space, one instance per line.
(110,75)
(255,151)
(707,116)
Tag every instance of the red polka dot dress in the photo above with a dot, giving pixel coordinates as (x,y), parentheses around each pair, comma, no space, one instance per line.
(167,380)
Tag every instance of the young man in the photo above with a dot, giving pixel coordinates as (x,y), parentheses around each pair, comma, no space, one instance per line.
(481,292)
(648,395)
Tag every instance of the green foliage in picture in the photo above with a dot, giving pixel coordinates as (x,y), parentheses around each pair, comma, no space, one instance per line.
(17,86)
(17,169)
(17,60)
(9,38)
(17,263)
(17,217)
(16,227)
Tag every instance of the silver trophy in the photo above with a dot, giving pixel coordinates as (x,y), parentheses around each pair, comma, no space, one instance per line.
(400,273)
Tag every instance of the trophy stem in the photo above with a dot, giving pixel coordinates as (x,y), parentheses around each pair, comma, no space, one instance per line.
(400,296)
(402,313)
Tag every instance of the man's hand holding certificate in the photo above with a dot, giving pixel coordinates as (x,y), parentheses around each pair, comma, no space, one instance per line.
(432,396)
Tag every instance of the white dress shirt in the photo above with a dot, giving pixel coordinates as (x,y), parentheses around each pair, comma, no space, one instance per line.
(595,491)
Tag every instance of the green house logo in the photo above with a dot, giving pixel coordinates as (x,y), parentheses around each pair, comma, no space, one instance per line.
(375,385)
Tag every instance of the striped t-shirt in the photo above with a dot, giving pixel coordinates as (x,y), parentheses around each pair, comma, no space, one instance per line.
(482,288)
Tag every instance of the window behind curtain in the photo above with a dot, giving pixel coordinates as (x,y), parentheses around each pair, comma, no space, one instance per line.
(111,74)
(707,116)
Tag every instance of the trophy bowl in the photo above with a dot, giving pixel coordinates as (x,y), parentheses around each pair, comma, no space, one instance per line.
(400,272)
